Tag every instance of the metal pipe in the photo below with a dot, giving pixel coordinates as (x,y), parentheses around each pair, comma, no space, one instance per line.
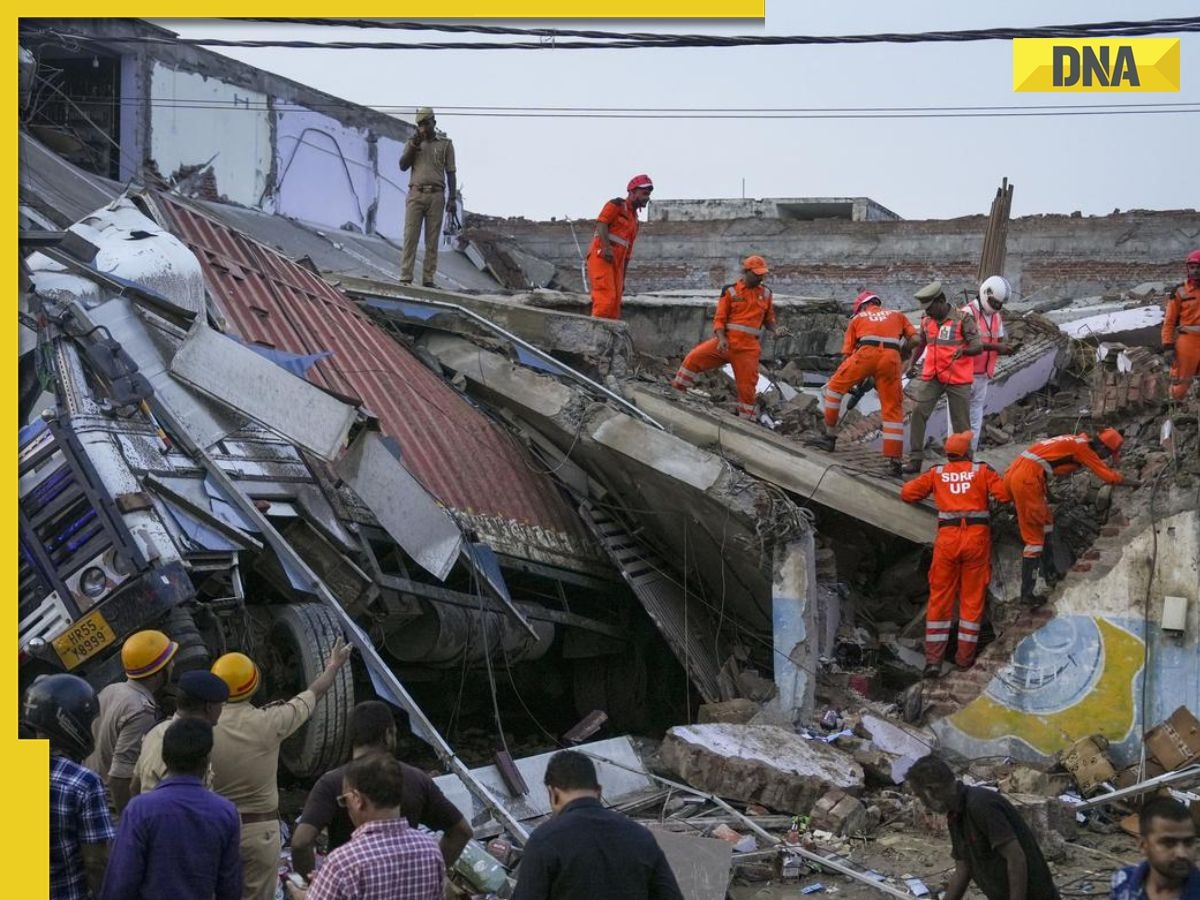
(1142,787)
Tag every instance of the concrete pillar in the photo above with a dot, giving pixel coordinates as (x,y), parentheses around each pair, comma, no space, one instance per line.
(794,626)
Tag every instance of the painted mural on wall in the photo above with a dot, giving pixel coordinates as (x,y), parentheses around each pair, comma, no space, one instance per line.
(1076,676)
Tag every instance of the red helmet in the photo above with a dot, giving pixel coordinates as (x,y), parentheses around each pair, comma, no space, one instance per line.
(1112,439)
(1194,257)
(863,299)
(639,181)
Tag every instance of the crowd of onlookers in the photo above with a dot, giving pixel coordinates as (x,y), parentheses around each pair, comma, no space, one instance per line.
(197,801)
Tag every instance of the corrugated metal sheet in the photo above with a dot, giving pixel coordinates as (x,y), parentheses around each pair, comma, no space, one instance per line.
(457,452)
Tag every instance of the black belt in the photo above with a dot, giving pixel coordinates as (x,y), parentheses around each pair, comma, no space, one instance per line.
(865,343)
(427,188)
(252,818)
(947,523)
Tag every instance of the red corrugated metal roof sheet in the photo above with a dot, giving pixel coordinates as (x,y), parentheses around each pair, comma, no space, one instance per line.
(461,457)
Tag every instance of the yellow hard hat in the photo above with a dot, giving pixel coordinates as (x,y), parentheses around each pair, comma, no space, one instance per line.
(239,672)
(147,652)
(424,113)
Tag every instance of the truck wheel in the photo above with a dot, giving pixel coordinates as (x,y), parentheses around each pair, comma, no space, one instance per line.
(299,640)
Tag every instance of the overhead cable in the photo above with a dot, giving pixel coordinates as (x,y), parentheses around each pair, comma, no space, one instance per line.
(548,39)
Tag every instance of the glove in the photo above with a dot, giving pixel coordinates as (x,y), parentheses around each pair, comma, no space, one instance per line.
(1168,354)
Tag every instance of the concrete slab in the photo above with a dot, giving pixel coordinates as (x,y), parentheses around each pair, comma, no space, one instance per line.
(701,865)
(759,764)
(618,768)
(809,473)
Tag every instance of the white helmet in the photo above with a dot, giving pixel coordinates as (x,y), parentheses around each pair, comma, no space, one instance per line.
(995,287)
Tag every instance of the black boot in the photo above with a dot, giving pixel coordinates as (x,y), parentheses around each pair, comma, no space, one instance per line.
(1049,569)
(1029,569)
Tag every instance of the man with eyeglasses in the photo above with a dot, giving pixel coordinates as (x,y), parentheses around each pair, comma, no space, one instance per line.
(612,246)
(386,858)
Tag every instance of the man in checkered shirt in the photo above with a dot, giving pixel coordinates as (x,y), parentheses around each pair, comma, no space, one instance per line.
(386,858)
(61,708)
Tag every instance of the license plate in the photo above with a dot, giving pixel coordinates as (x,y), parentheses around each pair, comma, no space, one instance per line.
(84,639)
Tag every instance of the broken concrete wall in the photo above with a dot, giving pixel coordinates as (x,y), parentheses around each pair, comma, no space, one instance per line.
(1048,255)
(1103,663)
(195,119)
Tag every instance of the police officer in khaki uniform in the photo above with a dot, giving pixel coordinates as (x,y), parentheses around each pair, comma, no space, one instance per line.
(245,758)
(432,188)
(202,695)
(129,709)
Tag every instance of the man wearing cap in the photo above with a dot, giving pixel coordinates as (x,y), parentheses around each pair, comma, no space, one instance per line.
(877,345)
(201,695)
(962,551)
(432,190)
(985,310)
(744,310)
(608,254)
(245,758)
(129,709)
(1026,481)
(948,340)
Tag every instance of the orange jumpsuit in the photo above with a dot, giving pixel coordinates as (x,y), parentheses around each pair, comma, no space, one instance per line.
(872,349)
(962,552)
(608,278)
(1181,330)
(1026,481)
(743,313)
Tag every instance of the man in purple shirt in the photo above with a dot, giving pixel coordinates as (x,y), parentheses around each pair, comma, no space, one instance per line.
(180,840)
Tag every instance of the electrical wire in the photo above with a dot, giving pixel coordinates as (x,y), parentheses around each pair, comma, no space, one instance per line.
(549,39)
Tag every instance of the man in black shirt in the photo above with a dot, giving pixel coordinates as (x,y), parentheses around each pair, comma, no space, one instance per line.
(992,845)
(587,851)
(373,730)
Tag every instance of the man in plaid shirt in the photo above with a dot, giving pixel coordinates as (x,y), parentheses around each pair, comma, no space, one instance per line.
(61,708)
(386,858)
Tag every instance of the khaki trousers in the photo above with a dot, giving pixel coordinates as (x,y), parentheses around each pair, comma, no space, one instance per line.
(928,393)
(260,860)
(428,208)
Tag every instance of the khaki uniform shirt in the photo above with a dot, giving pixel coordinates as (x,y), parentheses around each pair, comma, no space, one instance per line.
(430,162)
(245,753)
(150,768)
(127,712)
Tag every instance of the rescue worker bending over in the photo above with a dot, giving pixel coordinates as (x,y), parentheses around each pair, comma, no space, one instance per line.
(743,311)
(948,339)
(872,349)
(612,246)
(1181,330)
(1025,479)
(962,551)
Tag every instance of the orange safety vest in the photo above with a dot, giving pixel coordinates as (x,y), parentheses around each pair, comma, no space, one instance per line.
(877,327)
(942,339)
(743,311)
(960,491)
(990,328)
(622,222)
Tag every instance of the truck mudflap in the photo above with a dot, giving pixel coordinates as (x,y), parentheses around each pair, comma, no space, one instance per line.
(95,636)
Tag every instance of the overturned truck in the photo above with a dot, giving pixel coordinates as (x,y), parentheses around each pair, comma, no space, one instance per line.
(179,470)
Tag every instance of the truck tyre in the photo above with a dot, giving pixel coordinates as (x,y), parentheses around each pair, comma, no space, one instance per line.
(299,640)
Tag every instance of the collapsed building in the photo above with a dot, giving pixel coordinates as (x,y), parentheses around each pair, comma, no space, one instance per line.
(486,486)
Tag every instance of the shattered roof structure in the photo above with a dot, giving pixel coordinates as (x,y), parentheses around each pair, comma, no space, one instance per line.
(456,452)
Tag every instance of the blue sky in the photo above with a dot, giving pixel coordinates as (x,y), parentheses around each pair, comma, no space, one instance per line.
(918,167)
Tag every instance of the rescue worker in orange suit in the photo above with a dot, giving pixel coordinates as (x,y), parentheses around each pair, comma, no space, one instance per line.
(1025,479)
(608,254)
(744,310)
(872,349)
(1181,330)
(948,340)
(962,551)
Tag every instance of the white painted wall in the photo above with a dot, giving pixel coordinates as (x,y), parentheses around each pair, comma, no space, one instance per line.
(215,118)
